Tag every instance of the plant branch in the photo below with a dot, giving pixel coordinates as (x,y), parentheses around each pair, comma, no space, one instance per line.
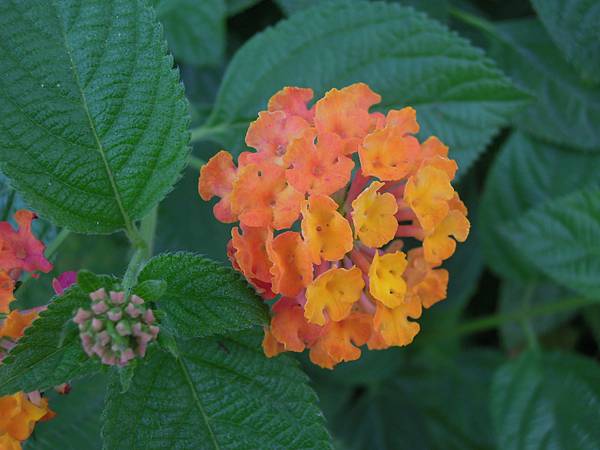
(195,162)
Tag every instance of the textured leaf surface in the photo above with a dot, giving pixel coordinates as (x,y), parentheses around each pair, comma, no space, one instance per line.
(547,401)
(222,393)
(565,111)
(561,240)
(409,59)
(204,297)
(93,120)
(50,353)
(77,422)
(237,6)
(526,175)
(573,26)
(195,30)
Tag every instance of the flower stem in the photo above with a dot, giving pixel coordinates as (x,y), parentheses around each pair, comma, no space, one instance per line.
(195,162)
(57,242)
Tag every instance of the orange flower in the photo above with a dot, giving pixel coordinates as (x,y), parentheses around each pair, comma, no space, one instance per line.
(293,101)
(216,179)
(290,328)
(346,113)
(339,341)
(291,269)
(272,131)
(251,251)
(15,323)
(335,291)
(7,286)
(428,193)
(18,415)
(21,250)
(373,216)
(319,168)
(261,197)
(326,232)
(390,154)
(365,290)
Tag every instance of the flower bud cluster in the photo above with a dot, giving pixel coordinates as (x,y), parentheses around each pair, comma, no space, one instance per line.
(116,329)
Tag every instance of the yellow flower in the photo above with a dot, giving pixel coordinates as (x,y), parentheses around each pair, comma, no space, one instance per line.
(335,291)
(373,216)
(386,283)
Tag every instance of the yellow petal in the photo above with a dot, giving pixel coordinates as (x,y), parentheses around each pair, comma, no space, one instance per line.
(373,216)
(386,283)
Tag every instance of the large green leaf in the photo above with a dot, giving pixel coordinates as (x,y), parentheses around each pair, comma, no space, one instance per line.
(561,240)
(547,401)
(432,406)
(195,29)
(50,353)
(406,57)
(204,297)
(77,422)
(221,393)
(93,120)
(573,26)
(565,111)
(526,175)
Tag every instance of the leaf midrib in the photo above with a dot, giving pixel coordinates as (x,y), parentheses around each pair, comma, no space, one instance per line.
(117,195)
(198,403)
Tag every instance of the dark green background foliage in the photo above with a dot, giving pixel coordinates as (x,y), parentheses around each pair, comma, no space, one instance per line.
(94,132)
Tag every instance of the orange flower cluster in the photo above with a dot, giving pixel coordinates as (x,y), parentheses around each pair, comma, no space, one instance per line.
(363,189)
(20,251)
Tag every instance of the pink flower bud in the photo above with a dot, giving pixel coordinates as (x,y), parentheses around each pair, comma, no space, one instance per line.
(81,316)
(99,307)
(100,294)
(132,311)
(117,298)
(123,328)
(97,324)
(137,300)
(149,316)
(115,315)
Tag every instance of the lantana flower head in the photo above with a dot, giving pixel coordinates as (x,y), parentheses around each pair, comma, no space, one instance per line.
(345,218)
(116,328)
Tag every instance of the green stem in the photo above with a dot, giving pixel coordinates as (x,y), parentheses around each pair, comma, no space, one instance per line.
(195,162)
(204,132)
(142,244)
(473,20)
(57,242)
(133,269)
(148,230)
(528,330)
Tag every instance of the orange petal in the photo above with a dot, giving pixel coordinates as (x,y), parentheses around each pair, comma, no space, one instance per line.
(292,269)
(289,326)
(339,341)
(393,325)
(293,101)
(271,346)
(7,287)
(251,252)
(335,291)
(326,232)
(386,283)
(426,285)
(15,323)
(21,426)
(435,153)
(391,153)
(261,197)
(320,168)
(427,193)
(439,245)
(216,179)
(271,133)
(345,112)
(373,216)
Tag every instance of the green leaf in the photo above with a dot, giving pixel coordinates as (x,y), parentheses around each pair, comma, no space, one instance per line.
(151,290)
(547,401)
(195,30)
(77,422)
(203,297)
(237,6)
(566,111)
(561,240)
(526,175)
(573,26)
(47,356)
(93,120)
(429,406)
(459,94)
(516,297)
(221,393)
